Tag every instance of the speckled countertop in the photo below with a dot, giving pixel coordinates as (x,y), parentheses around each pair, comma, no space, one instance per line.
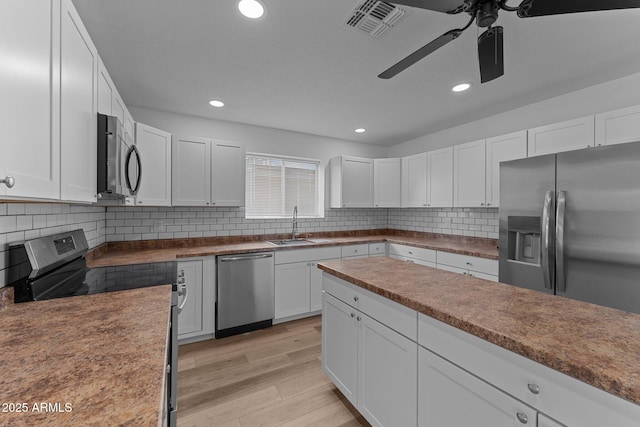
(597,345)
(102,355)
(122,253)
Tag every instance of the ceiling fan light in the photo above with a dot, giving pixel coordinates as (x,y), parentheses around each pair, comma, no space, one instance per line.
(252,9)
(461,87)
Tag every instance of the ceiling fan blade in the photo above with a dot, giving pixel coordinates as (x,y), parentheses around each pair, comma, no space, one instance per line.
(446,6)
(420,53)
(490,54)
(531,8)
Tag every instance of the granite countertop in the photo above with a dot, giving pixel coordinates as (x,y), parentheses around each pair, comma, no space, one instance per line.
(122,253)
(100,358)
(597,345)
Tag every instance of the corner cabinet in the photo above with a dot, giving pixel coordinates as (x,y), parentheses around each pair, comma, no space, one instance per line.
(30,100)
(208,172)
(351,182)
(155,154)
(78,108)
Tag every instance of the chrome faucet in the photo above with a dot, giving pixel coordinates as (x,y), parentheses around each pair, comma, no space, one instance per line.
(294,229)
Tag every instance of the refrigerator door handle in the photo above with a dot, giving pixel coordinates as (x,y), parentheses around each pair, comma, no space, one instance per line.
(546,254)
(562,202)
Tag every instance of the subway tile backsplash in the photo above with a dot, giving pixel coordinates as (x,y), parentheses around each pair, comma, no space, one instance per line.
(21,221)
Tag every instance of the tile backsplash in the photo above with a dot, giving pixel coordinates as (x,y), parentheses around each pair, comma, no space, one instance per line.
(22,221)
(474,222)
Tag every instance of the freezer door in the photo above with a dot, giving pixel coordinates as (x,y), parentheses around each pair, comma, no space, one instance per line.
(598,247)
(527,227)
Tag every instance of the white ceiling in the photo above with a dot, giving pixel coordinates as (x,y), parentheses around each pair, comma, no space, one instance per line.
(301,68)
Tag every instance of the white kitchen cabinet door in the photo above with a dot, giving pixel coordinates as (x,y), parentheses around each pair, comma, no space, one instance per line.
(340,345)
(129,124)
(78,108)
(191,171)
(155,154)
(440,178)
(618,127)
(501,149)
(386,182)
(316,285)
(29,104)
(544,421)
(227,174)
(414,181)
(387,374)
(190,319)
(118,108)
(469,174)
(565,136)
(450,397)
(351,182)
(105,89)
(292,289)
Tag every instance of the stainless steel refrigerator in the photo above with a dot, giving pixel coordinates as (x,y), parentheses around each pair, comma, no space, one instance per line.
(570,224)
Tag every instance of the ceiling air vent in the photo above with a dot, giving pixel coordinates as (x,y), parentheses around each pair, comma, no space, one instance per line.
(374,17)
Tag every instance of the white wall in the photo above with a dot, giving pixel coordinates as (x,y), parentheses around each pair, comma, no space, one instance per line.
(619,93)
(257,138)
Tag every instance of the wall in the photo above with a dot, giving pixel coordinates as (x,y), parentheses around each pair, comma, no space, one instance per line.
(612,95)
(473,222)
(21,221)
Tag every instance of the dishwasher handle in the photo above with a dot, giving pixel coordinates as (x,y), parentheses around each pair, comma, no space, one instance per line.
(245,257)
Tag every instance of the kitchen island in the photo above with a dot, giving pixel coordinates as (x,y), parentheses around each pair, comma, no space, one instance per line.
(549,357)
(86,360)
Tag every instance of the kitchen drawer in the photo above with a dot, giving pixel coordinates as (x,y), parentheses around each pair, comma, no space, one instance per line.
(412,252)
(310,254)
(391,314)
(376,249)
(361,250)
(413,260)
(566,399)
(482,265)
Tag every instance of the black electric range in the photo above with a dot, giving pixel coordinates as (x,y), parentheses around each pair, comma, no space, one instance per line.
(55,267)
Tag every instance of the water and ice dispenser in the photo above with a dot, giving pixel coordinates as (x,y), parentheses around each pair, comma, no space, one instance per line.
(524,239)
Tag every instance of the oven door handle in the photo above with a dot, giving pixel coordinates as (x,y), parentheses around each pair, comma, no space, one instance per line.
(182,291)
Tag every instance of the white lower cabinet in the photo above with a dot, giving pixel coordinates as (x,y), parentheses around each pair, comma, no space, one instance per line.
(544,421)
(426,257)
(481,268)
(451,397)
(374,366)
(298,281)
(355,251)
(197,315)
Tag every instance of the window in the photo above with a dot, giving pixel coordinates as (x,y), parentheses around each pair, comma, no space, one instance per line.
(276,184)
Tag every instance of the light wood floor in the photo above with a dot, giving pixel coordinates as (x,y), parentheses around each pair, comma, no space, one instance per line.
(270,377)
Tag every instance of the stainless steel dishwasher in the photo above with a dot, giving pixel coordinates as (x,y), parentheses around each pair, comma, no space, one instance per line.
(245,293)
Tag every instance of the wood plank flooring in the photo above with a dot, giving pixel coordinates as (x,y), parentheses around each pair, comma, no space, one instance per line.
(272,377)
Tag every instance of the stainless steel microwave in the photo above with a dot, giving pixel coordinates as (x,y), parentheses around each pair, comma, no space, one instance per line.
(119,162)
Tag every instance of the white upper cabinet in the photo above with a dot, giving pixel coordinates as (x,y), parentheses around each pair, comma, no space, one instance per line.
(501,149)
(208,172)
(565,136)
(129,124)
(227,173)
(386,182)
(155,154)
(106,89)
(78,108)
(619,126)
(469,174)
(414,181)
(440,178)
(29,101)
(351,182)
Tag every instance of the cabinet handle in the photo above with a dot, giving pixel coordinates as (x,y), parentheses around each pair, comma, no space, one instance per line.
(213,203)
(533,388)
(522,417)
(355,251)
(356,299)
(488,204)
(139,202)
(353,315)
(468,263)
(9,181)
(358,318)
(207,203)
(481,204)
(410,253)
(428,204)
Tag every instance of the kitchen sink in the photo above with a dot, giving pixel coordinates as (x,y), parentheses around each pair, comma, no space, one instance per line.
(290,242)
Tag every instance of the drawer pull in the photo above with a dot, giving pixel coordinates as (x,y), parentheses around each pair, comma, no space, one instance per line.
(533,388)
(358,318)
(522,418)
(353,315)
(356,299)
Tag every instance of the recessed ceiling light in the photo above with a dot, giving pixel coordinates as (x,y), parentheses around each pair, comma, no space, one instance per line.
(216,103)
(360,130)
(252,9)
(461,87)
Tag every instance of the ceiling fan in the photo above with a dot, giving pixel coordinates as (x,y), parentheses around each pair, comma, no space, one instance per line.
(485,13)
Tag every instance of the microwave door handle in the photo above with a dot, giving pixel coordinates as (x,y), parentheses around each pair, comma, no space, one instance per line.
(560,271)
(133,190)
(546,254)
